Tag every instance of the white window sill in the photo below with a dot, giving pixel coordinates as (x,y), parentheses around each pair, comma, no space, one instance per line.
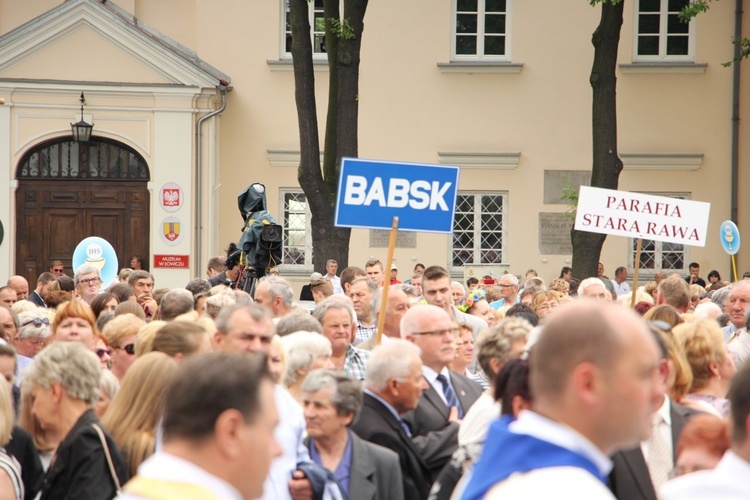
(468,67)
(663,67)
(286,64)
(684,162)
(493,161)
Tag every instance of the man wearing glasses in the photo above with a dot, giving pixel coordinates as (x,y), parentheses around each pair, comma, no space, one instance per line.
(508,292)
(88,282)
(434,423)
(57,268)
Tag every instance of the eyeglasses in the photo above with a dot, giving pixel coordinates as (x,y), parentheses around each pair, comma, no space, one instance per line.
(102,352)
(37,322)
(452,331)
(130,348)
(503,285)
(90,281)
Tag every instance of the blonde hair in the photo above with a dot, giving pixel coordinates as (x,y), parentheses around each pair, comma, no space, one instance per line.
(144,339)
(122,326)
(179,337)
(135,412)
(6,412)
(703,343)
(559,285)
(542,297)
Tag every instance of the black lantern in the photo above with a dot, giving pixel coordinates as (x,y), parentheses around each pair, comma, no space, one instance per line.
(81,130)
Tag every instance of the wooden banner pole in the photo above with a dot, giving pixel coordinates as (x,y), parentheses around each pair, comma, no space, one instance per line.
(386,281)
(734,268)
(636,267)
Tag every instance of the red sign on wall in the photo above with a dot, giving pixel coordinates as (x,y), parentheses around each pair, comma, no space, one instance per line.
(171,261)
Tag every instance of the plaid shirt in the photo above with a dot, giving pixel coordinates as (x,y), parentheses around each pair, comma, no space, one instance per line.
(355,362)
(364,332)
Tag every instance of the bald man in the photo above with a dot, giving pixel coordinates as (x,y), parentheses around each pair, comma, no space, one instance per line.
(594,379)
(20,285)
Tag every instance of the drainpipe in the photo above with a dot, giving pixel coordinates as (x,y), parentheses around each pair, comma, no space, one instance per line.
(222,88)
(736,113)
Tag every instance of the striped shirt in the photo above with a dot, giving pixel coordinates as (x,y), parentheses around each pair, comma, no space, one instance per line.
(13,469)
(355,362)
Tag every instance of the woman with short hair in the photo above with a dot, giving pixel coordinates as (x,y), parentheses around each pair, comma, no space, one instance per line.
(64,382)
(711,363)
(75,322)
(120,334)
(305,352)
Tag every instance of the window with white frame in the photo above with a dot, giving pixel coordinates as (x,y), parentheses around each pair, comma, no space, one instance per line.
(660,34)
(658,255)
(478,229)
(297,233)
(480,30)
(317,28)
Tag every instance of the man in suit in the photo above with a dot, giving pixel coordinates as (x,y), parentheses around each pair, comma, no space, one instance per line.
(363,471)
(42,289)
(435,420)
(393,385)
(639,471)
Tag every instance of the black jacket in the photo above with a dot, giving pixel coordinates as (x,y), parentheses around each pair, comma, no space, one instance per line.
(377,424)
(79,470)
(21,446)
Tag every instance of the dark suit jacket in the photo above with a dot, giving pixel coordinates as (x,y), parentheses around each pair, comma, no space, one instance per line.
(435,436)
(630,478)
(377,424)
(375,472)
(35,298)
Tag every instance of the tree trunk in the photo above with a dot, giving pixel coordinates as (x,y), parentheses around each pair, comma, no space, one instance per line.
(607,165)
(329,242)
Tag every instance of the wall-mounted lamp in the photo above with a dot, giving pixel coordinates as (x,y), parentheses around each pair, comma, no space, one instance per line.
(81,130)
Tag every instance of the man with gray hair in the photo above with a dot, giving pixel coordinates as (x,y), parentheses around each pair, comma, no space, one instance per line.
(275,294)
(297,321)
(88,282)
(593,288)
(174,303)
(740,344)
(736,305)
(508,292)
(393,385)
(332,401)
(337,319)
(365,299)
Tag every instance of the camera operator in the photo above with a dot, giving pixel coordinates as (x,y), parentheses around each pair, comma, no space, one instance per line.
(232,270)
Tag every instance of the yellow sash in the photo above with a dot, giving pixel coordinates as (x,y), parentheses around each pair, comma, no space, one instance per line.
(162,489)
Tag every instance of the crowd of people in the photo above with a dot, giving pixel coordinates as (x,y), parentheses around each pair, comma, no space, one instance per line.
(495,388)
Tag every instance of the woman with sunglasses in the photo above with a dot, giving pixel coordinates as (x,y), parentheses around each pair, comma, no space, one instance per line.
(120,334)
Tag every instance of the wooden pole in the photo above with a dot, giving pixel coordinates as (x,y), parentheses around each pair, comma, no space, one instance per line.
(386,281)
(635,272)
(734,268)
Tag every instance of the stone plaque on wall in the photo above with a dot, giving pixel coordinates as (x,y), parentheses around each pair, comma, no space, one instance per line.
(554,233)
(555,181)
(404,239)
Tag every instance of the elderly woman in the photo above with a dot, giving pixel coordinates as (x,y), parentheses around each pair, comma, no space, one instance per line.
(134,414)
(475,303)
(544,303)
(32,332)
(712,366)
(120,334)
(64,383)
(304,352)
(331,403)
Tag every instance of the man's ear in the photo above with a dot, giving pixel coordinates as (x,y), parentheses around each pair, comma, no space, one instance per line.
(586,381)
(227,432)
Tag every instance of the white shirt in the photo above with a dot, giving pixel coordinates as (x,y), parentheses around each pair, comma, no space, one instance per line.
(728,481)
(665,429)
(162,465)
(740,347)
(290,434)
(476,422)
(621,289)
(336,282)
(535,425)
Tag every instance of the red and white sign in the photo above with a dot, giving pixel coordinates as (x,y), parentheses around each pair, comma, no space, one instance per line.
(636,215)
(171,261)
(171,197)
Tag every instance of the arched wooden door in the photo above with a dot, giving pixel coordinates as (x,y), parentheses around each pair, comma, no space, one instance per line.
(68,191)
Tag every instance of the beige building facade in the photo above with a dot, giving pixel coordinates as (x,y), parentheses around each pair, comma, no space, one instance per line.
(498,87)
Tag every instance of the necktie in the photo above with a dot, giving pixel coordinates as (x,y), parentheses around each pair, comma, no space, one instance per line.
(659,452)
(450,396)
(405,426)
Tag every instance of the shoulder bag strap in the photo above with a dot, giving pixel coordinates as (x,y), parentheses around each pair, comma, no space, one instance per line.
(98,430)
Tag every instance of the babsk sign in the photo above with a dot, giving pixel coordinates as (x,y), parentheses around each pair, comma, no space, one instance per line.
(372,192)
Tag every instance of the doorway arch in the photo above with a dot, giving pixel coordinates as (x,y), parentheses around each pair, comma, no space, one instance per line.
(69,190)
